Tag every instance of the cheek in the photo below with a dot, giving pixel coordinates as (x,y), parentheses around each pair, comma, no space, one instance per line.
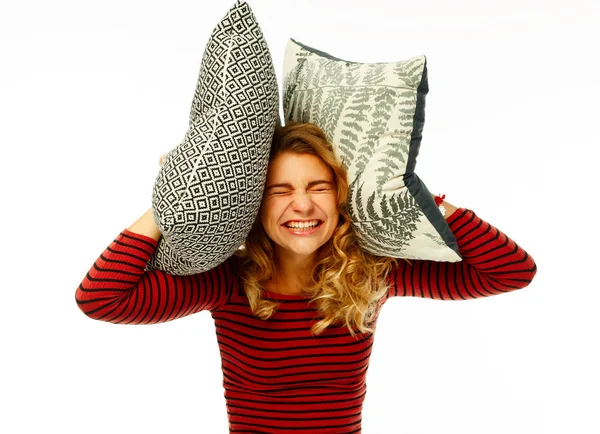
(269,212)
(329,206)
(332,206)
(335,220)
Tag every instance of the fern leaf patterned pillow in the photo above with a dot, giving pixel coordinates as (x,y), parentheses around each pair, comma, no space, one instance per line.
(373,113)
(208,191)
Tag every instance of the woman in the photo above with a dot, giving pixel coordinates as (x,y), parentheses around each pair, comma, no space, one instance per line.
(295,310)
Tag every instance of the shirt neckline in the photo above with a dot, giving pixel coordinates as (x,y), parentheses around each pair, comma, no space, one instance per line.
(278,296)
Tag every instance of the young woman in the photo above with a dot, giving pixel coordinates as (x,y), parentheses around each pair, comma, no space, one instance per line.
(295,311)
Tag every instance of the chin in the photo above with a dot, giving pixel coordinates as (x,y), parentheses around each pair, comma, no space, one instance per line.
(312,250)
(304,250)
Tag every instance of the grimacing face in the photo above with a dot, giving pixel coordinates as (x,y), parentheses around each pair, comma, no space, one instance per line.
(299,210)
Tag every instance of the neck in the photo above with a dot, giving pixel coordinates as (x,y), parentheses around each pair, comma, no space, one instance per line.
(291,273)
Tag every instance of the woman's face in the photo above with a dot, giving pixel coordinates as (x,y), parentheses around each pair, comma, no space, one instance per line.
(299,211)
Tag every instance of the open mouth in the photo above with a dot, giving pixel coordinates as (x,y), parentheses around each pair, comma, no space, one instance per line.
(303,226)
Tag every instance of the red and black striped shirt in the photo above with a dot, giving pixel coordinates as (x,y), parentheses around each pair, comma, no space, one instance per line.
(278,378)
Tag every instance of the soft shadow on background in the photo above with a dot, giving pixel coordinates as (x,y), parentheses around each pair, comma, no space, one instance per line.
(91,94)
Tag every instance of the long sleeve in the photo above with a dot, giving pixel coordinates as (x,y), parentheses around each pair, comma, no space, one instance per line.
(492,264)
(117,288)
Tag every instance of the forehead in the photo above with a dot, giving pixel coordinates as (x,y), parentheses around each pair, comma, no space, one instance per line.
(297,168)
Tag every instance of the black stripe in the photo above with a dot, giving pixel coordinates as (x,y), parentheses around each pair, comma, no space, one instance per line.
(342,328)
(133,246)
(245,345)
(271,410)
(281,359)
(292,428)
(120,252)
(296,365)
(104,279)
(113,270)
(116,261)
(153,246)
(320,395)
(356,373)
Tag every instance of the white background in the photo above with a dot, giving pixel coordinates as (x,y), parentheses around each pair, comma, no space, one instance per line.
(92,93)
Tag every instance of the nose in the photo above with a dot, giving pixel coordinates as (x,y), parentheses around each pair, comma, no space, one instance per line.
(302,202)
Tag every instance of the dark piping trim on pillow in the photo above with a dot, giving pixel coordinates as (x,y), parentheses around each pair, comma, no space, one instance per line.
(319,52)
(416,187)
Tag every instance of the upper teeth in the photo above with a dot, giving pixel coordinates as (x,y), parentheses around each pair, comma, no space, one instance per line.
(302,224)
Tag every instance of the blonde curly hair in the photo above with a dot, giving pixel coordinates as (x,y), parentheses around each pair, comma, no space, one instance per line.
(347,283)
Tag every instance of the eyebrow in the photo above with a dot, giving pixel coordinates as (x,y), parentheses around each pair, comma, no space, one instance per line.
(291,187)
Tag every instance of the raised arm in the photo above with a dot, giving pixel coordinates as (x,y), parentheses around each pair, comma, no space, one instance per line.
(492,264)
(117,288)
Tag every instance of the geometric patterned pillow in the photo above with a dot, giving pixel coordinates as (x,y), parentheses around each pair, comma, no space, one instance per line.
(374,114)
(209,188)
